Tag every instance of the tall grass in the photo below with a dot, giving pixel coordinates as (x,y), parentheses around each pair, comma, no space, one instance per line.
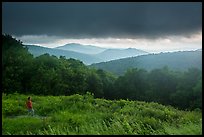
(84,115)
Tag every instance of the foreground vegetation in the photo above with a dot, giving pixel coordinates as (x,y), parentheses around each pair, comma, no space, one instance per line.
(84,114)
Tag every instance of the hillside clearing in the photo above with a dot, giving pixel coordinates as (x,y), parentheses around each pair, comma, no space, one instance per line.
(82,114)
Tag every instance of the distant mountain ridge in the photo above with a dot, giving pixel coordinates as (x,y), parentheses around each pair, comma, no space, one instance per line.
(181,60)
(86,49)
(113,54)
(86,53)
(85,58)
(103,53)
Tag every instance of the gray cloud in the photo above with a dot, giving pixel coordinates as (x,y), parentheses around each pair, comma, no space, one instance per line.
(38,39)
(86,20)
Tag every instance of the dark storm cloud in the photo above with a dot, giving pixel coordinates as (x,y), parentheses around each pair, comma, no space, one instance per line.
(78,20)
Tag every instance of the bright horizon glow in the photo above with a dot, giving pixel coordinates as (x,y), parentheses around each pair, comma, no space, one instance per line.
(166,44)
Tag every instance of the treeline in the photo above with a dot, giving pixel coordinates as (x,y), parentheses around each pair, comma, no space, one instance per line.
(180,89)
(49,75)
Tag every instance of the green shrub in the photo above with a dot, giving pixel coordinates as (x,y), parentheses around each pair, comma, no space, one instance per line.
(21,125)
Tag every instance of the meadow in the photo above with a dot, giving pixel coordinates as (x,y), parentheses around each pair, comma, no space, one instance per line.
(86,115)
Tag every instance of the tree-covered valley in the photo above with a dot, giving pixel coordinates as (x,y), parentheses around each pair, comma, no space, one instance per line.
(177,93)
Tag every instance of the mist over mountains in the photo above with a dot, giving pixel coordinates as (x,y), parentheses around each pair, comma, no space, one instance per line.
(118,61)
(86,49)
(86,53)
(86,58)
(112,54)
(180,61)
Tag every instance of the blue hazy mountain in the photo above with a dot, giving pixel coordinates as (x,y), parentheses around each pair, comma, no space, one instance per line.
(181,60)
(113,54)
(87,53)
(86,49)
(85,58)
(102,53)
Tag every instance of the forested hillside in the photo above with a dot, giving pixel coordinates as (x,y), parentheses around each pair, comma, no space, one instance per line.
(49,75)
(178,61)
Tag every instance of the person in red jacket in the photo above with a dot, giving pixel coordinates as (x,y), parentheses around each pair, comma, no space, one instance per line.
(30,106)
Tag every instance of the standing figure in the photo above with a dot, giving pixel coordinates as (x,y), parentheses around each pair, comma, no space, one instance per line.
(29,106)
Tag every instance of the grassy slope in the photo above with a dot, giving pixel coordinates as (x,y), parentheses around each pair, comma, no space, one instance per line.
(78,114)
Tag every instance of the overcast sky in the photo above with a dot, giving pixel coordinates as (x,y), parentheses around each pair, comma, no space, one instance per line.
(148,26)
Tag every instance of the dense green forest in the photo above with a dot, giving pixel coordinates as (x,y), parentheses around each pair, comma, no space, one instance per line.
(50,75)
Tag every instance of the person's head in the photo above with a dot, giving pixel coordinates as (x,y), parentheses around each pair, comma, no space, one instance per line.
(29,98)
